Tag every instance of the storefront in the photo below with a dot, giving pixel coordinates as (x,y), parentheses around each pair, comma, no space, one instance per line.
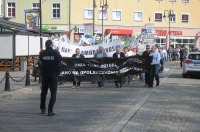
(178,37)
(118,33)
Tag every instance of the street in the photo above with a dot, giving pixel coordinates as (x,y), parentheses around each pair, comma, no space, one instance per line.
(173,106)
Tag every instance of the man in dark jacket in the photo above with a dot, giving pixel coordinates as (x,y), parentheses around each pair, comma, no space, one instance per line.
(182,50)
(50,60)
(118,55)
(147,73)
(77,55)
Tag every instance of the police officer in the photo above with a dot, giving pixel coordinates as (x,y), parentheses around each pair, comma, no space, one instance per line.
(50,60)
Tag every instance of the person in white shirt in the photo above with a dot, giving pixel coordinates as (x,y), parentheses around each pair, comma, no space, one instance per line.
(130,51)
(155,66)
(125,51)
(165,53)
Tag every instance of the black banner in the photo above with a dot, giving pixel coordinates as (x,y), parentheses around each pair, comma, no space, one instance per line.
(91,69)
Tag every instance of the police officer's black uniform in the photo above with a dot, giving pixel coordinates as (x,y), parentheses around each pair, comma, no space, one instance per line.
(50,60)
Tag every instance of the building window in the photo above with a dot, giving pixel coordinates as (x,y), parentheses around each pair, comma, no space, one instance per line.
(36,6)
(105,14)
(56,10)
(158,17)
(88,13)
(173,18)
(138,16)
(116,15)
(185,18)
(185,1)
(172,0)
(11,9)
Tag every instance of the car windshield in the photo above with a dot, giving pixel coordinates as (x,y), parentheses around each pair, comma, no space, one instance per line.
(194,56)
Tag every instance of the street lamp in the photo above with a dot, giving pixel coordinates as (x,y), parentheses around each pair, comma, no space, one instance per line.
(40,11)
(102,5)
(170,15)
(94,6)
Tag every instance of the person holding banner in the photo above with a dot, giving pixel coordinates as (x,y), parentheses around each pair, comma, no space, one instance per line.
(130,51)
(118,55)
(101,54)
(147,73)
(155,66)
(77,55)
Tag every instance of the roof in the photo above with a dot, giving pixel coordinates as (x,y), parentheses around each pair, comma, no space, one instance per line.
(19,28)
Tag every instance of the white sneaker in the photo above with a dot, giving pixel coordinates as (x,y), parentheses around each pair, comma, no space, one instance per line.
(73,87)
(78,87)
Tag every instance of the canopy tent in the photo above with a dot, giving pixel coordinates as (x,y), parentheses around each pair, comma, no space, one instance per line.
(16,41)
(8,26)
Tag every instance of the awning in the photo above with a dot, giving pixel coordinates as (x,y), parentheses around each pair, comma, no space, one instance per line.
(19,28)
(119,31)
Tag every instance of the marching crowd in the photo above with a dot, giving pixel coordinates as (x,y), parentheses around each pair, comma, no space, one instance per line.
(159,55)
(50,69)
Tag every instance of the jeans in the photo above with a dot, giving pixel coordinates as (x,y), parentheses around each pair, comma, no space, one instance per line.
(169,56)
(154,73)
(49,80)
(101,84)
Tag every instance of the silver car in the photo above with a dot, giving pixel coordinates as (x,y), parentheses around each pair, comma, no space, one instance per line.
(191,65)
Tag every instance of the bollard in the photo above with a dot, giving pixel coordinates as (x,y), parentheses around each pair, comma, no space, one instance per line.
(7,82)
(27,78)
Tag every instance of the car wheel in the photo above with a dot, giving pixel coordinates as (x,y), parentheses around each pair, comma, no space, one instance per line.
(184,75)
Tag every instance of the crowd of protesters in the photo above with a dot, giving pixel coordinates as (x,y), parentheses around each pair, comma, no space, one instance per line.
(50,60)
(159,55)
(176,54)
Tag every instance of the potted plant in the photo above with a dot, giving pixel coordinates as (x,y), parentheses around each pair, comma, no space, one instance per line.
(23,63)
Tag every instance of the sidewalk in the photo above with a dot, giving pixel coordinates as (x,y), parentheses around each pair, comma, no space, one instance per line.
(14,86)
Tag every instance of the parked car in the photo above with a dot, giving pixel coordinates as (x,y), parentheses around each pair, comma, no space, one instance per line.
(191,65)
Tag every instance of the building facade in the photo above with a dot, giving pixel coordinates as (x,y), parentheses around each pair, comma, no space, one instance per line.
(130,17)
(122,17)
(55,13)
(1,8)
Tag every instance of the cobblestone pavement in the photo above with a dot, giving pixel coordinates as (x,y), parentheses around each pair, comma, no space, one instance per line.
(173,106)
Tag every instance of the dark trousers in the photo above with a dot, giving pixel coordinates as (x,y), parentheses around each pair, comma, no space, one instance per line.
(101,84)
(154,73)
(118,83)
(181,61)
(162,65)
(76,84)
(49,80)
(147,76)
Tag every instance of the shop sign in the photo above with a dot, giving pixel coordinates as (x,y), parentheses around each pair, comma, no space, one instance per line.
(81,30)
(166,32)
(47,27)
